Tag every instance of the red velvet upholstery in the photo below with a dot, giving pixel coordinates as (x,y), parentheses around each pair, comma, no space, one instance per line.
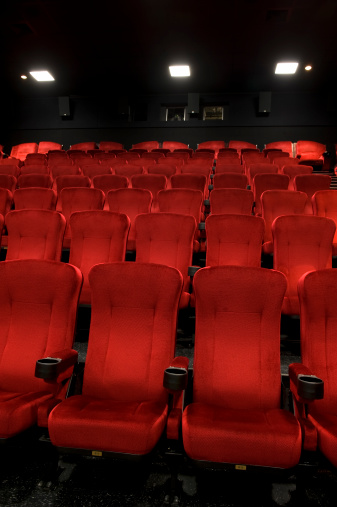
(147,145)
(45,146)
(213,145)
(301,243)
(238,145)
(282,161)
(106,182)
(71,181)
(310,150)
(123,406)
(20,150)
(192,181)
(34,198)
(96,237)
(9,168)
(93,170)
(110,145)
(271,155)
(184,201)
(172,145)
(132,202)
(38,306)
(6,200)
(265,181)
(234,239)
(8,181)
(64,169)
(35,234)
(318,293)
(231,200)
(324,204)
(286,146)
(235,416)
(224,166)
(127,170)
(34,169)
(230,180)
(35,159)
(165,169)
(276,203)
(295,169)
(311,183)
(34,180)
(167,238)
(78,199)
(89,145)
(228,157)
(152,182)
(259,168)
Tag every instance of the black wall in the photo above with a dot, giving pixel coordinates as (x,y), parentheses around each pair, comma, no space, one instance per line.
(293,116)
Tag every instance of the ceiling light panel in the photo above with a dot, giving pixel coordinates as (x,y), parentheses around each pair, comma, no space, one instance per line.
(42,75)
(179,70)
(286,68)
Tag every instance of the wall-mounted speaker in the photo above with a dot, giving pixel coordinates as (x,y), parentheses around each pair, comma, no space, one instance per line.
(264,102)
(64,106)
(193,103)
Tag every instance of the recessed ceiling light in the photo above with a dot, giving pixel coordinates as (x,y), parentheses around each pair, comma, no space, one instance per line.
(179,70)
(42,75)
(286,68)
(23,76)
(308,67)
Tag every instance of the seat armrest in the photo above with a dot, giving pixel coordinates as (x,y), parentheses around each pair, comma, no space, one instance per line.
(304,385)
(55,367)
(201,226)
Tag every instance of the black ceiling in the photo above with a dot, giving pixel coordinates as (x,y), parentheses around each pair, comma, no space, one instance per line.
(108,47)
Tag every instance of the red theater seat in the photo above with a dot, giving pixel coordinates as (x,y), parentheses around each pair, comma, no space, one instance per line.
(38,307)
(324,204)
(263,182)
(132,202)
(236,416)
(96,237)
(35,234)
(147,145)
(311,183)
(317,295)
(20,150)
(286,146)
(167,238)
(34,180)
(152,182)
(275,203)
(8,181)
(78,199)
(231,200)
(123,407)
(301,243)
(293,170)
(89,145)
(310,151)
(34,198)
(45,146)
(230,180)
(234,239)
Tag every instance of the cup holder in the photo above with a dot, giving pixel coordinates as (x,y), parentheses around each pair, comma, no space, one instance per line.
(47,368)
(175,379)
(310,387)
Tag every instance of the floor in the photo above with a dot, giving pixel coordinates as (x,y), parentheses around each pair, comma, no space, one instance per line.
(93,482)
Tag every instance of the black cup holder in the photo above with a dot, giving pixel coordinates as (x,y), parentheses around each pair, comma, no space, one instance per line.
(47,368)
(310,387)
(175,379)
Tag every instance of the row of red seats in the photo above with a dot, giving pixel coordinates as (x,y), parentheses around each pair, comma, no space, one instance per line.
(306,150)
(300,242)
(235,416)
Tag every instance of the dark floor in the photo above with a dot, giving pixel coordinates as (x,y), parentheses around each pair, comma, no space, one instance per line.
(92,482)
